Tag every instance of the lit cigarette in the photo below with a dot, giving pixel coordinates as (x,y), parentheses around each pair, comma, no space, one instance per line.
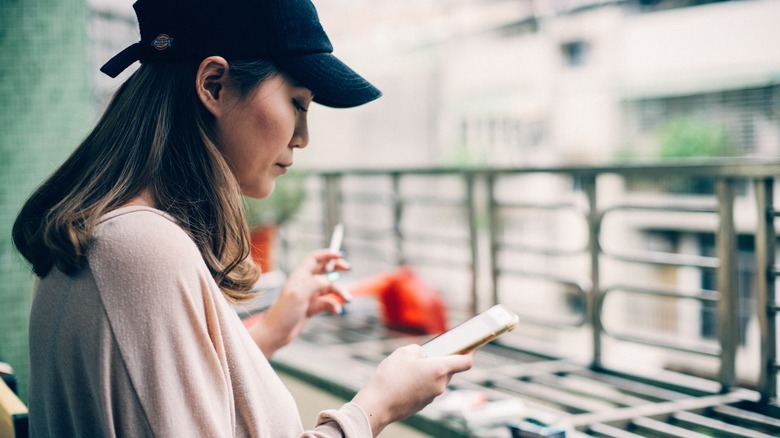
(335,246)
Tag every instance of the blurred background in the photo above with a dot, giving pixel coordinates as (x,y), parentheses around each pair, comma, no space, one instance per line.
(489,84)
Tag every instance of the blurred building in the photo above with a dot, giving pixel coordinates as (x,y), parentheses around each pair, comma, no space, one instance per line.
(519,82)
(534,82)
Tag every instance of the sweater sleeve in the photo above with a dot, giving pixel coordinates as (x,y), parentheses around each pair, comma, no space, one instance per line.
(152,286)
(350,421)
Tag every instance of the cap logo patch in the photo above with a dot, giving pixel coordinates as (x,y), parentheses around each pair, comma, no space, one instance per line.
(162,42)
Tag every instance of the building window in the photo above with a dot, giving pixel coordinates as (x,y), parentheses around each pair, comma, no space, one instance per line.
(575,53)
(747,118)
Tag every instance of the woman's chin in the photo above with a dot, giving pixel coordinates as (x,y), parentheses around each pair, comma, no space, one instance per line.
(258,192)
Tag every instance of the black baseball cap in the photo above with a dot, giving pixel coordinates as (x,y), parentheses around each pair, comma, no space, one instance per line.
(286,32)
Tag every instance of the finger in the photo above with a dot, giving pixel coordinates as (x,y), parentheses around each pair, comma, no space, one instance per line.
(325,285)
(457,363)
(323,256)
(341,293)
(342,264)
(327,303)
(337,298)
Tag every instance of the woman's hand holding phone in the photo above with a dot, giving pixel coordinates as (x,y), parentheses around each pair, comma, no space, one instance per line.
(412,376)
(405,382)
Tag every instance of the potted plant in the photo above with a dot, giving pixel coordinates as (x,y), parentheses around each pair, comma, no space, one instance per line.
(265,216)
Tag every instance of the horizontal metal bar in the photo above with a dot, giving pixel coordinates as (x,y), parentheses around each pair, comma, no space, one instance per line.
(719,428)
(748,418)
(571,403)
(607,431)
(509,205)
(653,409)
(664,207)
(664,259)
(704,350)
(591,389)
(648,391)
(433,201)
(540,250)
(727,167)
(702,295)
(659,428)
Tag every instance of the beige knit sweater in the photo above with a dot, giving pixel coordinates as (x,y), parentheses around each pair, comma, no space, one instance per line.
(142,343)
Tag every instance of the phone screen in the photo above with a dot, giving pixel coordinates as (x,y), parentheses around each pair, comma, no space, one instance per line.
(473,333)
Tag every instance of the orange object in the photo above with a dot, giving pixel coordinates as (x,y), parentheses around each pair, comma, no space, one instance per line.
(408,304)
(374,286)
(263,239)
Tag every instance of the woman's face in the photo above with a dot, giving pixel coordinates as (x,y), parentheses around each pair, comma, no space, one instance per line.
(257,133)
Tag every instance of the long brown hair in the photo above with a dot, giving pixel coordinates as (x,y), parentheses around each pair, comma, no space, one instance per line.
(155,134)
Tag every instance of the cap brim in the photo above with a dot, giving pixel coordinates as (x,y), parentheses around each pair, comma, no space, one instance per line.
(333,83)
(122,60)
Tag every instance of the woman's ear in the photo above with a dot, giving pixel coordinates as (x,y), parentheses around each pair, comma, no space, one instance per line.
(211,82)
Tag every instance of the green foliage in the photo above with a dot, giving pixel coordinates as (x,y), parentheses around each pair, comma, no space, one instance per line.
(688,137)
(281,205)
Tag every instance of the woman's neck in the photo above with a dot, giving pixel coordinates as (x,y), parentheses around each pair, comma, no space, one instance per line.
(144,198)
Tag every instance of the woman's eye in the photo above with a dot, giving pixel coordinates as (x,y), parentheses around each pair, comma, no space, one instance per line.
(298,106)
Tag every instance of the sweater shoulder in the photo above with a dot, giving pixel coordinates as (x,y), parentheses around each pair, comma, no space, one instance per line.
(144,238)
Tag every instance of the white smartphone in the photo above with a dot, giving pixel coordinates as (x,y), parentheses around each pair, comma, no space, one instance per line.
(473,333)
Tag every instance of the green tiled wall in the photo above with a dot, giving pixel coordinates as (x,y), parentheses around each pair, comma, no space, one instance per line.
(45,109)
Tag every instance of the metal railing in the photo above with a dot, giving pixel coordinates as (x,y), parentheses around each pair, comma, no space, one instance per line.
(376,206)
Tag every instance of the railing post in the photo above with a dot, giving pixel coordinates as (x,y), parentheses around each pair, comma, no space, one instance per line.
(728,304)
(473,238)
(332,205)
(765,288)
(397,211)
(593,304)
(493,230)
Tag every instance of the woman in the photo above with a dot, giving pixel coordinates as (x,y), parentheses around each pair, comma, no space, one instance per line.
(140,243)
